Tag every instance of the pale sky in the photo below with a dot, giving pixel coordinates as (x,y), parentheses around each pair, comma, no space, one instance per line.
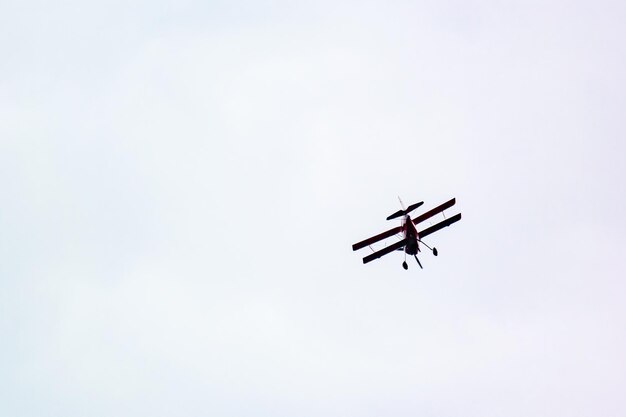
(181,184)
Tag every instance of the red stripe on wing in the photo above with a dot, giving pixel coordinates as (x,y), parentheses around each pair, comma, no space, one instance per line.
(376,238)
(432,212)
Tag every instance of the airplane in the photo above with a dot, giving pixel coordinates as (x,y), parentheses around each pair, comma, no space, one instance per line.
(411,238)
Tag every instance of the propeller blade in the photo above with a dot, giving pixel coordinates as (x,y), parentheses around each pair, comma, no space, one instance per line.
(401,203)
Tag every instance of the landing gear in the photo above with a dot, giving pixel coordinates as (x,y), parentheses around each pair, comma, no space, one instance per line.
(434,250)
(405,265)
(418,262)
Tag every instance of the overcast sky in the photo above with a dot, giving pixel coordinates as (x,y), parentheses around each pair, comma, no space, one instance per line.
(181,183)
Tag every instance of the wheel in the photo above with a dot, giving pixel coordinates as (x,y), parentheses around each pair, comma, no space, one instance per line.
(405,265)
(435,251)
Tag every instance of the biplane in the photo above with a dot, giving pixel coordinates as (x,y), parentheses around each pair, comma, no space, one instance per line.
(409,237)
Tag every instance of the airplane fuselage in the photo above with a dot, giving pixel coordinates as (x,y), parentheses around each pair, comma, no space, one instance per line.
(410,234)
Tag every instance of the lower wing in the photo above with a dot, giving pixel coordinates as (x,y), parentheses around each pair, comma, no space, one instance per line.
(433,229)
(385,251)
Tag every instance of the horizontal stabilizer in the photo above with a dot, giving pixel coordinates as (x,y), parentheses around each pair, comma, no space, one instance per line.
(407,211)
(433,229)
(413,207)
(396,214)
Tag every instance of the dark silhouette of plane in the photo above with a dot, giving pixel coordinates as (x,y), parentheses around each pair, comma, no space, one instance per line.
(411,238)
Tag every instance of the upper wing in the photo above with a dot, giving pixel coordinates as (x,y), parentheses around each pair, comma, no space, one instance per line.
(376,238)
(433,229)
(432,212)
(385,251)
